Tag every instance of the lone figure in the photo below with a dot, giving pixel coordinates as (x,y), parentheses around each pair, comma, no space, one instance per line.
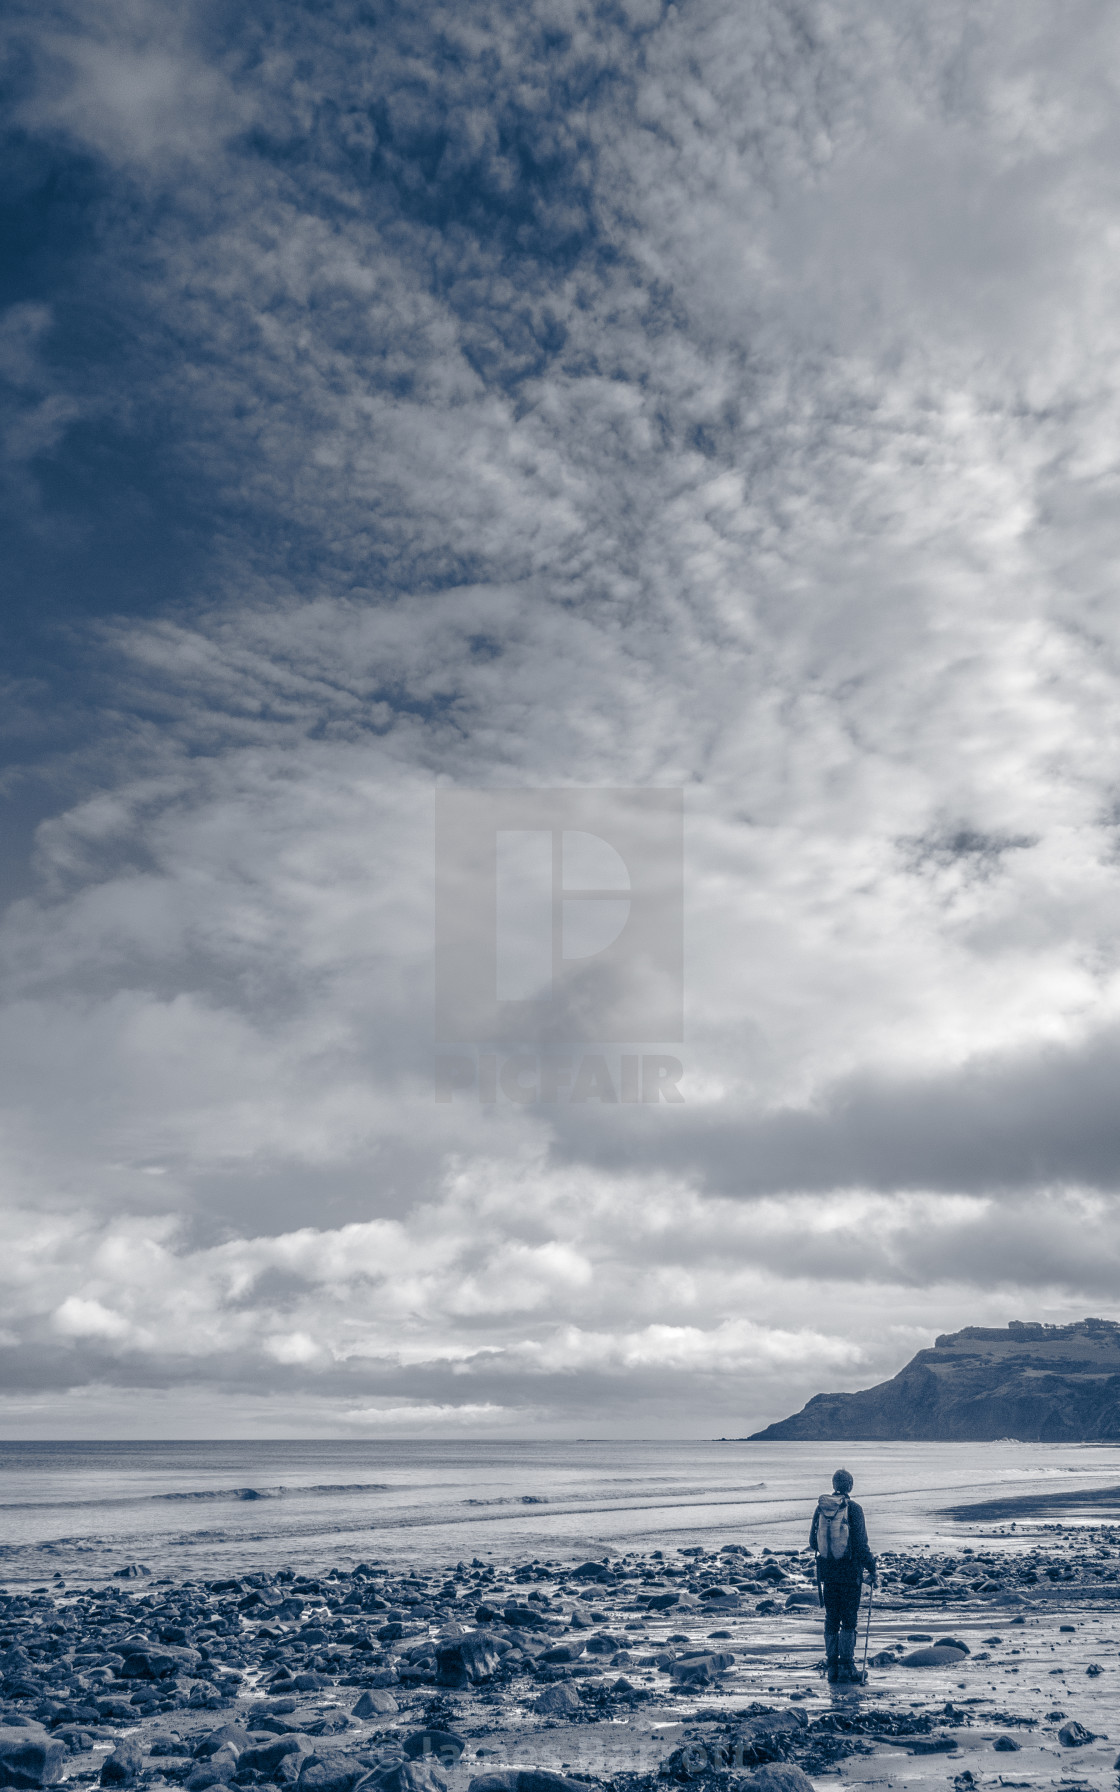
(839,1537)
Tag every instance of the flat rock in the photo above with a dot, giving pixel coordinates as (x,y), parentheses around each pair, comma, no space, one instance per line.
(770,1724)
(778,1776)
(696,1670)
(29,1757)
(938,1655)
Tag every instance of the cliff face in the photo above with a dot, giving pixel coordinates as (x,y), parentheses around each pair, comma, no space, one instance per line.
(1037,1383)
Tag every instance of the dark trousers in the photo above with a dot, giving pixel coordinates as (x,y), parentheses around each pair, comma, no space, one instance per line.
(841,1587)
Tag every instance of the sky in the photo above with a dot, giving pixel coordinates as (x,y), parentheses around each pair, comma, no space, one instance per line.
(718,397)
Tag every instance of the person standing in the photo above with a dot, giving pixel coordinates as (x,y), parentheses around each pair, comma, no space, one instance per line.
(838,1535)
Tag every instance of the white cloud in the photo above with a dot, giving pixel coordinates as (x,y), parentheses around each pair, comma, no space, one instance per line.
(77,1318)
(751,424)
(485,1414)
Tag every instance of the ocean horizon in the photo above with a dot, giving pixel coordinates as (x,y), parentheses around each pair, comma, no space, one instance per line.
(86,1510)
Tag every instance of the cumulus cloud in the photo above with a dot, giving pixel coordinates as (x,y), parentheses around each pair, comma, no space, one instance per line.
(557,396)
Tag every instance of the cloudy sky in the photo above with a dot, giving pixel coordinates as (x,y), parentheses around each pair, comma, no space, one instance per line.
(541,393)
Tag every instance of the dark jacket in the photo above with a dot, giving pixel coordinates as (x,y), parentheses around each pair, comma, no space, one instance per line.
(858,1554)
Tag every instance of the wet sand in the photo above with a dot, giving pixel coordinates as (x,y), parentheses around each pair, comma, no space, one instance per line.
(681,1666)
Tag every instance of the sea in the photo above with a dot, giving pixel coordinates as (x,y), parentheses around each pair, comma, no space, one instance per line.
(85,1511)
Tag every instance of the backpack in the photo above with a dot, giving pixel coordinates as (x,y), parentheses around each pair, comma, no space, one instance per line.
(832,1527)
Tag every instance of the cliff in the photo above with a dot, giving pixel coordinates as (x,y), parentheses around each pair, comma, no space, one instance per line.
(1037,1383)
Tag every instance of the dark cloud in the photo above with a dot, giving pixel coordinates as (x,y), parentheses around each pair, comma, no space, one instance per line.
(998,1126)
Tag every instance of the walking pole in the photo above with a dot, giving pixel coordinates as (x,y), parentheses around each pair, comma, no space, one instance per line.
(867,1632)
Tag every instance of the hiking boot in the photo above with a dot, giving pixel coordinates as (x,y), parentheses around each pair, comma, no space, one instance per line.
(847,1672)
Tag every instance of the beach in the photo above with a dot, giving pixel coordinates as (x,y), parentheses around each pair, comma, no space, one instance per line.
(669,1663)
(201,1510)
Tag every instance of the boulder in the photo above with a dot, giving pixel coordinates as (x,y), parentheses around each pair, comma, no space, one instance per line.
(77,1741)
(563,1652)
(603,1644)
(524,1617)
(466,1660)
(769,1725)
(690,1762)
(427,1745)
(29,1757)
(123,1766)
(1075,1735)
(158,1661)
(525,1779)
(599,1571)
(265,1757)
(405,1776)
(119,1709)
(231,1735)
(22,1686)
(331,1771)
(375,1703)
(659,1602)
(559,1701)
(1006,1745)
(217,1771)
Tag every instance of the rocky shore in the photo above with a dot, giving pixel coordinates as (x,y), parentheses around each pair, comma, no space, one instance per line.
(998,1665)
